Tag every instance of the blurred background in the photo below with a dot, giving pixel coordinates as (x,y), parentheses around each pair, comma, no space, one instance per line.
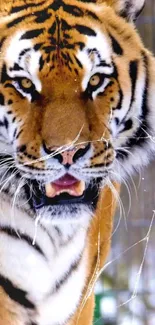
(125,293)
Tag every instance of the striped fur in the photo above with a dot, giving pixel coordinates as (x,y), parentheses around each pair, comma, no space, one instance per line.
(92,86)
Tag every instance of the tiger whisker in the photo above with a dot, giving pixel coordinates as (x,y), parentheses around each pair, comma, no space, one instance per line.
(130,177)
(36,228)
(13,174)
(121,206)
(10,167)
(17,192)
(129,195)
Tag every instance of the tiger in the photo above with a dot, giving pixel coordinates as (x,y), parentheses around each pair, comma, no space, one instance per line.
(77,94)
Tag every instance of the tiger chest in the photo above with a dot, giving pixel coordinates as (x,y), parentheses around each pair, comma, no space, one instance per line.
(48,272)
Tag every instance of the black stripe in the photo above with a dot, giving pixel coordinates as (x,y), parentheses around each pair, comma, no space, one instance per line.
(19,133)
(1,123)
(116,46)
(41,63)
(15,293)
(81,45)
(56,5)
(125,12)
(49,49)
(73,10)
(85,30)
(69,58)
(2,41)
(64,56)
(23,52)
(121,154)
(14,133)
(127,125)
(38,46)
(58,34)
(58,231)
(6,123)
(12,233)
(65,277)
(133,71)
(26,6)
(49,235)
(104,64)
(139,11)
(52,29)
(16,67)
(4,75)
(78,62)
(32,33)
(92,15)
(8,85)
(42,16)
(119,105)
(1,99)
(20,8)
(139,138)
(65,26)
(107,86)
(78,12)
(16,21)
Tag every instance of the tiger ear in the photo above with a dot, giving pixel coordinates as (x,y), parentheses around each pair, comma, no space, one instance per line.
(129,9)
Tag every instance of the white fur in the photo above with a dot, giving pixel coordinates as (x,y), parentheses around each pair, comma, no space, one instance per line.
(135,7)
(7,135)
(37,275)
(29,62)
(59,307)
(14,48)
(101,44)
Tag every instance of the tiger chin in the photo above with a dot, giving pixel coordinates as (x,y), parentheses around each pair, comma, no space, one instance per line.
(77,94)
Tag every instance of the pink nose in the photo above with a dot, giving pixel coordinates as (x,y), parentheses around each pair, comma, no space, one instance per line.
(68,157)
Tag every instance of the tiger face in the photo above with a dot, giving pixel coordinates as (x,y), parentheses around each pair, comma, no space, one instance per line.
(73,103)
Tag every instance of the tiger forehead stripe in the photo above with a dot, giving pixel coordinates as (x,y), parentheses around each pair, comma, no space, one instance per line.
(45,12)
(25,6)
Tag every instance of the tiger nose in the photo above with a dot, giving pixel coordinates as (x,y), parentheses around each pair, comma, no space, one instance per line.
(67,157)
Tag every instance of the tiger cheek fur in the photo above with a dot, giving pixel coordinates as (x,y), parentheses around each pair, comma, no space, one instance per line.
(77,92)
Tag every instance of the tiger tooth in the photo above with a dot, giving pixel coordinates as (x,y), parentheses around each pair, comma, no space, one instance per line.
(80,187)
(50,190)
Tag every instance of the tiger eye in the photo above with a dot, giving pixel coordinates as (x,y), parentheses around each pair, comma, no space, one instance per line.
(95,80)
(26,83)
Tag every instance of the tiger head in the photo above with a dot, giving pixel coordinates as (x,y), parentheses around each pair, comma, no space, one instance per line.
(74,112)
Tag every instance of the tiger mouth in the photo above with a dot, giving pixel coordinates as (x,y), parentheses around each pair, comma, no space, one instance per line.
(66,190)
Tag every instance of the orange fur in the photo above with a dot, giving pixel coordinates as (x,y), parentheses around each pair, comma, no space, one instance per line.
(10,313)
(99,240)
